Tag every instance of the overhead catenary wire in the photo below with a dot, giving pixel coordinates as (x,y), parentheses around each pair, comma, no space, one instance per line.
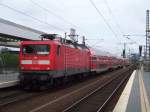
(56,15)
(34,18)
(117,24)
(114,17)
(127,36)
(101,15)
(52,13)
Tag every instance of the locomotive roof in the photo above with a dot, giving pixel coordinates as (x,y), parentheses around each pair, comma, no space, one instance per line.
(68,43)
(56,39)
(39,42)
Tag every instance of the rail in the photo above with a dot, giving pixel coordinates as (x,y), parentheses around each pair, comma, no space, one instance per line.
(77,106)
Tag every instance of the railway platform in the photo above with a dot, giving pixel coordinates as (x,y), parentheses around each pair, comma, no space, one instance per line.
(8,79)
(136,94)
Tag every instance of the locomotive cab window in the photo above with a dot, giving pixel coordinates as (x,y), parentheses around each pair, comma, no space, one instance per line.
(36,49)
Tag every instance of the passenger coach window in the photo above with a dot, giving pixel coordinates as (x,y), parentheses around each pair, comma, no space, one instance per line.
(36,49)
(93,58)
(58,50)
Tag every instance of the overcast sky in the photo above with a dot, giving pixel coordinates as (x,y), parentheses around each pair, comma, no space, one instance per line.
(58,16)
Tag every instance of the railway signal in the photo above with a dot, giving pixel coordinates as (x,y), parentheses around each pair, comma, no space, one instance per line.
(140,50)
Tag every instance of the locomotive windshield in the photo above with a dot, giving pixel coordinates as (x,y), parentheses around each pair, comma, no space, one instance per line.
(36,49)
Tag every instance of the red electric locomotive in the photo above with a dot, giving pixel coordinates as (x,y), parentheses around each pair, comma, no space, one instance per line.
(53,59)
(43,61)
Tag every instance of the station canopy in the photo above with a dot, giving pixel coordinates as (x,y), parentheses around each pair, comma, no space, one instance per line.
(10,31)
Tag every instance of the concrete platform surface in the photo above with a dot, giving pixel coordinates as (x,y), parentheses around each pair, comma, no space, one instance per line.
(136,95)
(7,80)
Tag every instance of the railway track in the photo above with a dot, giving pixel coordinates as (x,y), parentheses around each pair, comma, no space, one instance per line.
(100,97)
(12,96)
(59,99)
(4,92)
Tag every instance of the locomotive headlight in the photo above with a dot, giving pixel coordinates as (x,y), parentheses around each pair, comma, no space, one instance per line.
(26,61)
(45,62)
